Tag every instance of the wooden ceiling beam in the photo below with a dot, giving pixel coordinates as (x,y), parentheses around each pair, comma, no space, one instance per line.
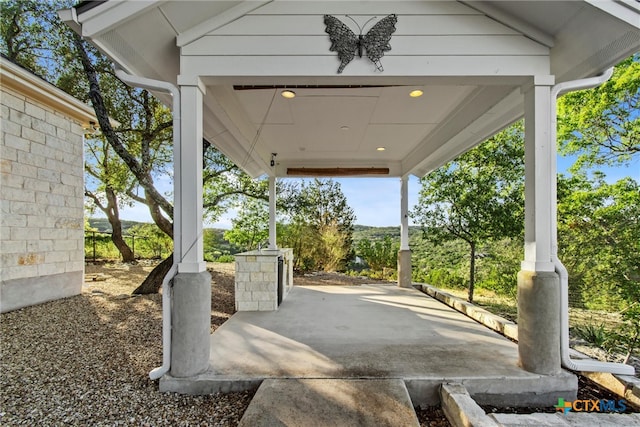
(336,171)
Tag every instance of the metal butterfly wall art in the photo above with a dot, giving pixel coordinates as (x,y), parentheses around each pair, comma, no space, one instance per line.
(347,43)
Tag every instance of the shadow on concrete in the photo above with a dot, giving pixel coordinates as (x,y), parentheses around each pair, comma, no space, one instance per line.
(369,331)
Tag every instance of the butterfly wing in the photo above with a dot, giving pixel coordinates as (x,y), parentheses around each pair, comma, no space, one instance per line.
(376,41)
(343,40)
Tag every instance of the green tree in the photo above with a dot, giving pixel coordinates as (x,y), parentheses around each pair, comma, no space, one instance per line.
(599,243)
(153,241)
(442,264)
(602,125)
(216,246)
(380,254)
(320,212)
(250,226)
(104,182)
(599,239)
(20,20)
(478,197)
(498,265)
(598,221)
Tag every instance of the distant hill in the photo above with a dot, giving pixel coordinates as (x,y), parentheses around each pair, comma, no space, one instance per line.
(378,233)
(103,226)
(359,231)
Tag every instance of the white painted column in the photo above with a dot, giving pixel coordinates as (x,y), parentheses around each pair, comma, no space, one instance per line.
(189,201)
(538,283)
(539,161)
(404,213)
(272,213)
(191,300)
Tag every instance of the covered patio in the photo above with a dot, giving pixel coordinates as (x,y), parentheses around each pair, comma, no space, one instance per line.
(368,332)
(479,65)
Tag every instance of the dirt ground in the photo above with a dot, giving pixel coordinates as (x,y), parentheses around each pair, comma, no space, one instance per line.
(119,280)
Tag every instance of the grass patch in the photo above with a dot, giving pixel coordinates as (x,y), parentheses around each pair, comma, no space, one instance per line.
(595,334)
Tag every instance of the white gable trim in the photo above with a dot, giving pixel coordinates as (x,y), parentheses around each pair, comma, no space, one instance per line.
(512,22)
(625,10)
(218,21)
(102,18)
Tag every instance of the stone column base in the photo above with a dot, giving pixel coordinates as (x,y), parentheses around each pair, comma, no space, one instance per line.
(404,268)
(539,322)
(191,325)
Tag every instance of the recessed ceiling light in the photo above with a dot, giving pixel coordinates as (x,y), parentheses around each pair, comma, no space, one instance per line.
(380,149)
(416,93)
(288,94)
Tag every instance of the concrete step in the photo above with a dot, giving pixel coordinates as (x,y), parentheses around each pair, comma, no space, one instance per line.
(330,403)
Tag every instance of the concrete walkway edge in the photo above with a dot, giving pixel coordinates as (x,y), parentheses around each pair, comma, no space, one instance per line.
(625,386)
(462,411)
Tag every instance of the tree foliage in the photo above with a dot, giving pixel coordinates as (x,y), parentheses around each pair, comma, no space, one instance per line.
(318,212)
(599,239)
(478,197)
(20,21)
(250,226)
(602,125)
(378,254)
(313,218)
(151,239)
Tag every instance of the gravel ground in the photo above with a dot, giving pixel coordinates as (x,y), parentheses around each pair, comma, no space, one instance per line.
(85,360)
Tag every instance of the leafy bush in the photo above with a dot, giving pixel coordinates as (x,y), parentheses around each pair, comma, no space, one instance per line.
(441,277)
(379,255)
(226,258)
(498,268)
(627,335)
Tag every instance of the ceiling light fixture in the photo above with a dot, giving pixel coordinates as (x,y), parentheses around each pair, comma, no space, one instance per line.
(344,128)
(380,149)
(289,94)
(416,93)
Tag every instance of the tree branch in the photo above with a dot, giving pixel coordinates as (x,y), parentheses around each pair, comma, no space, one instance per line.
(140,172)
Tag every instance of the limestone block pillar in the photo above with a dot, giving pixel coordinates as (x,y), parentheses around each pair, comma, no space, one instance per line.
(538,284)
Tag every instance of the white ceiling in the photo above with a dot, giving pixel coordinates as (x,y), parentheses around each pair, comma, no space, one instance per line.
(348,124)
(343,126)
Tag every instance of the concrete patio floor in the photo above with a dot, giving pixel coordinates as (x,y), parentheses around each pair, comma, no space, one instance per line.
(371,331)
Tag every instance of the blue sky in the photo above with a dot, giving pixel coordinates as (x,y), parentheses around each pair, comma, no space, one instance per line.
(376,201)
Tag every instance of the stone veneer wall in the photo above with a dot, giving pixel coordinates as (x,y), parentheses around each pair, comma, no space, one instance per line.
(41,200)
(256,283)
